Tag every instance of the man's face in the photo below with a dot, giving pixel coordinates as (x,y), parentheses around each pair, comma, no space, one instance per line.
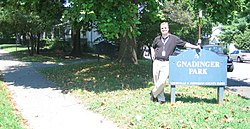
(164,29)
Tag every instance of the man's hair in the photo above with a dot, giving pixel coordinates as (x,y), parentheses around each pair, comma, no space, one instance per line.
(164,23)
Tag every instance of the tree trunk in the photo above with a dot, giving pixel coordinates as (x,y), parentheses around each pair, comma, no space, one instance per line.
(38,43)
(76,42)
(24,42)
(29,41)
(18,38)
(32,41)
(127,51)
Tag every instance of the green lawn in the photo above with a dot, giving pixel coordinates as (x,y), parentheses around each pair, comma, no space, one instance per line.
(8,118)
(121,93)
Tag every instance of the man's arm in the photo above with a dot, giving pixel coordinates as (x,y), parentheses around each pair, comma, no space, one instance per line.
(152,53)
(189,45)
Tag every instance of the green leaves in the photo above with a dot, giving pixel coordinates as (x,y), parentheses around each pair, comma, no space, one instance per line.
(31,15)
(178,12)
(237,31)
(242,40)
(221,10)
(117,18)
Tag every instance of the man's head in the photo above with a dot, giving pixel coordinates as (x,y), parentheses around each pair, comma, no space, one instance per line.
(164,28)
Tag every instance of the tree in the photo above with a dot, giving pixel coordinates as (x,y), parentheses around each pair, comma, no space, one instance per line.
(149,24)
(222,11)
(228,33)
(242,40)
(184,15)
(80,15)
(238,31)
(49,16)
(182,20)
(31,18)
(14,16)
(119,20)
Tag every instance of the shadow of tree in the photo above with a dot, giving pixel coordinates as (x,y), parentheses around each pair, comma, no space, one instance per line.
(102,77)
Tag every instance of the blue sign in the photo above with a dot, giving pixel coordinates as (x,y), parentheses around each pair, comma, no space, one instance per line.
(198,68)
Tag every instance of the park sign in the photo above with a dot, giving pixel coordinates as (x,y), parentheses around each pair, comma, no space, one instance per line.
(198,68)
(195,67)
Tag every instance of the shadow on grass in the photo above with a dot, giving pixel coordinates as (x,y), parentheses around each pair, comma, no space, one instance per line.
(97,77)
(190,99)
(196,100)
(102,76)
(243,97)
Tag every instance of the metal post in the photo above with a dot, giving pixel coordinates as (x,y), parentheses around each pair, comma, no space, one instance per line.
(172,93)
(220,94)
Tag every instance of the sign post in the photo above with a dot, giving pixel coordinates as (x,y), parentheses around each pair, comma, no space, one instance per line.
(198,68)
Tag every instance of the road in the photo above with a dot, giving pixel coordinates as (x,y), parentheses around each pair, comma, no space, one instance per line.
(240,76)
(238,81)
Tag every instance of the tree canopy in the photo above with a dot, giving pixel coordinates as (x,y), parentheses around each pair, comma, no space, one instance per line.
(237,32)
(131,22)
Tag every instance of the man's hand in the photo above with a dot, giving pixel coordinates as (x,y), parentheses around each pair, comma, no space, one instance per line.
(152,53)
(199,42)
(198,47)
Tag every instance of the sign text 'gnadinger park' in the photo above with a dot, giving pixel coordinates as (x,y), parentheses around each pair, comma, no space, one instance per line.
(203,68)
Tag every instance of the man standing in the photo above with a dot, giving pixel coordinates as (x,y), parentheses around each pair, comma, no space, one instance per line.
(163,46)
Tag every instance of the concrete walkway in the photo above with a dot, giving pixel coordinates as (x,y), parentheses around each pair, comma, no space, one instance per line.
(41,103)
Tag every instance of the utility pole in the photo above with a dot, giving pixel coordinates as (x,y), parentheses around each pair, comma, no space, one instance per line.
(200,16)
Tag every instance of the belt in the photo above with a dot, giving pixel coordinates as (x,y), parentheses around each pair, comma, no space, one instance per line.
(162,59)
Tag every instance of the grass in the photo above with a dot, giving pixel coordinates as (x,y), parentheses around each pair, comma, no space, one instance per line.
(8,118)
(121,93)
(21,52)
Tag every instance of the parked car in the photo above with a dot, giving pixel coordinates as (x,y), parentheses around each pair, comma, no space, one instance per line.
(240,55)
(221,52)
(106,48)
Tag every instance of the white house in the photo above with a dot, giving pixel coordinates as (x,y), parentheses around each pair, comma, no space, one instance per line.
(215,33)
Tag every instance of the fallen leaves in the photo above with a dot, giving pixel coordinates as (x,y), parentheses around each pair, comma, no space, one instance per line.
(227,118)
(207,118)
(208,110)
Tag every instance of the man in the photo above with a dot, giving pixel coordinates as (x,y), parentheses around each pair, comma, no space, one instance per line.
(163,46)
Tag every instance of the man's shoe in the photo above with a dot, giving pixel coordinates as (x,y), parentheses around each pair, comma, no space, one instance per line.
(152,98)
(162,102)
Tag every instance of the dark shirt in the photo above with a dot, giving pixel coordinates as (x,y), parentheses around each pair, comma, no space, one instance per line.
(169,46)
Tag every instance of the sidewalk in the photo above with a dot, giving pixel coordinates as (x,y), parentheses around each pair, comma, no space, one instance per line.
(42,104)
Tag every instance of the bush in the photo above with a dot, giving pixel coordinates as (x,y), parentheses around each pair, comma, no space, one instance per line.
(56,44)
(242,40)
